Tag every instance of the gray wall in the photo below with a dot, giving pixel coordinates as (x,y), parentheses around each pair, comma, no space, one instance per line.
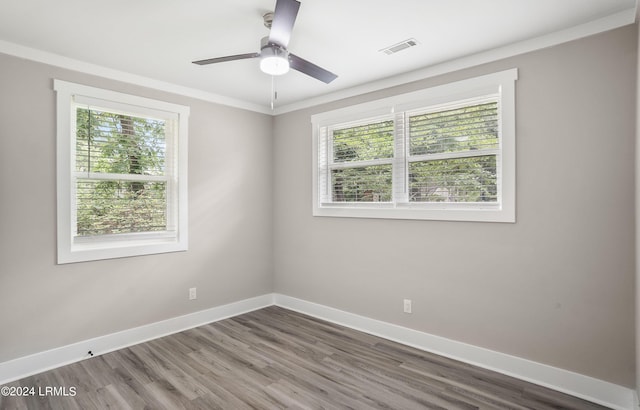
(557,287)
(44,305)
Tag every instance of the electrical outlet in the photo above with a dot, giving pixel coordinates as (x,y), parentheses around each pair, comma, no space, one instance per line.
(192,294)
(407,306)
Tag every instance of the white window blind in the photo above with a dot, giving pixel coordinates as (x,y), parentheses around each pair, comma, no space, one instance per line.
(361,161)
(121,174)
(453,153)
(442,153)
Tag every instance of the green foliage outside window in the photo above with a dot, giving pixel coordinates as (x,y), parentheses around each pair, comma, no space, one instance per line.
(117,144)
(467,128)
(459,132)
(364,184)
(471,179)
(461,179)
(363,143)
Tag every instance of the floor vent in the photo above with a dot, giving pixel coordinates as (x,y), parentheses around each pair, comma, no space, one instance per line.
(400,46)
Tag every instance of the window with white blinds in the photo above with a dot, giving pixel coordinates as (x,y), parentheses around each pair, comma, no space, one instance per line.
(444,153)
(121,174)
(362,157)
(453,153)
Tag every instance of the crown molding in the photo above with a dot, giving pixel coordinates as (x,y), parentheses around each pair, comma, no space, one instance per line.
(57,60)
(610,22)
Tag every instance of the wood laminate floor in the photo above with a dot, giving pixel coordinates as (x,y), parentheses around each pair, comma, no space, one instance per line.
(274,358)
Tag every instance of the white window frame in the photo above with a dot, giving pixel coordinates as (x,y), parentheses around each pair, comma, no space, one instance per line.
(500,85)
(73,248)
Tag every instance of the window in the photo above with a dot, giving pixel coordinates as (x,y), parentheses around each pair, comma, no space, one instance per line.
(444,153)
(122,174)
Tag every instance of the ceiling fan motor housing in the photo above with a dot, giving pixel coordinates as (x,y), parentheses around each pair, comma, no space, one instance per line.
(274,59)
(266,44)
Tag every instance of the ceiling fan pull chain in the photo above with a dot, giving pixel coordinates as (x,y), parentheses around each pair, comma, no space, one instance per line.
(273,91)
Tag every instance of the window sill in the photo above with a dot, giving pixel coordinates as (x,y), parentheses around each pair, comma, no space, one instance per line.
(88,250)
(432,212)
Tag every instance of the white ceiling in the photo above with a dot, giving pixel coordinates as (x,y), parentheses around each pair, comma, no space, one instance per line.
(158,39)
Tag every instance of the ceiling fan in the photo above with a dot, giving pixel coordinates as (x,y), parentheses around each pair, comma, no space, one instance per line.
(275,59)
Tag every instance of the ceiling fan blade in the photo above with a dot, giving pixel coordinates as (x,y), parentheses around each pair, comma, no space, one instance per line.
(227,58)
(283,18)
(311,69)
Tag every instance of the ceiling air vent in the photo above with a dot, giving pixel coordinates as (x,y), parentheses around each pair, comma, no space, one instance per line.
(400,46)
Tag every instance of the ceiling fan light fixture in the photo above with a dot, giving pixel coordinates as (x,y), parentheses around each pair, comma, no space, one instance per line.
(274,60)
(274,65)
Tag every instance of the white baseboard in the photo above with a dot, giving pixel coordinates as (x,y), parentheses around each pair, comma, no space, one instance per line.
(50,359)
(597,391)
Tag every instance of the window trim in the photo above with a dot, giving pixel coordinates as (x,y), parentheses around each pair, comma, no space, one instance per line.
(72,249)
(501,84)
